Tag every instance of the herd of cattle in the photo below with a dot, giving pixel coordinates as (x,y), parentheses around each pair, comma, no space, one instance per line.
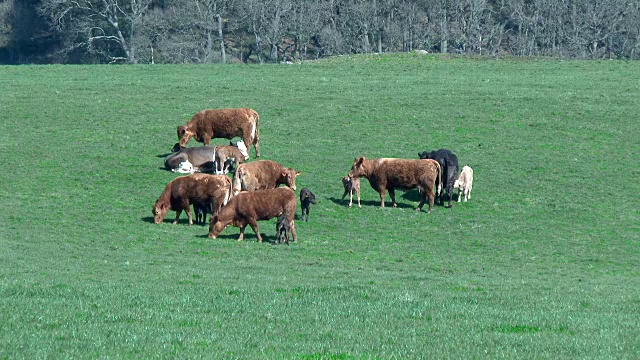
(255,194)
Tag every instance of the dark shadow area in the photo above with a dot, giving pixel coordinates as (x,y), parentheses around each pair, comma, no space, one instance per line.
(376,203)
(248,236)
(181,221)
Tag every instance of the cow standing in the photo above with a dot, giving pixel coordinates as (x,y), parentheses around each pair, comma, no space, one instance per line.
(390,174)
(201,189)
(226,155)
(247,208)
(263,174)
(283,228)
(464,184)
(306,199)
(222,123)
(350,185)
(449,164)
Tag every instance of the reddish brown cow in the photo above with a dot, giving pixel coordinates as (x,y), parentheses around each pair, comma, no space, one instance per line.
(390,174)
(263,174)
(250,207)
(223,123)
(199,189)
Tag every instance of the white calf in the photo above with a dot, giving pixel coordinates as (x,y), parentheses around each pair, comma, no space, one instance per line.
(464,183)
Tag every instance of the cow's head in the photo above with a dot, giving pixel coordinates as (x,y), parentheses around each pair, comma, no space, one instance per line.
(424,155)
(310,196)
(176,148)
(358,169)
(457,185)
(159,210)
(216,226)
(288,177)
(184,135)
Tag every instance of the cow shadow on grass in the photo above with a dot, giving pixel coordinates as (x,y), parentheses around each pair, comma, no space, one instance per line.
(373,203)
(185,221)
(248,236)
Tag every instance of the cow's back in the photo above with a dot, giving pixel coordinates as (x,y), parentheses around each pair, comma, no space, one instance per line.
(265,204)
(199,156)
(257,175)
(402,173)
(225,123)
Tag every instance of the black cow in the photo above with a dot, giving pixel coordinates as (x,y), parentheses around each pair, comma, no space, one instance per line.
(283,229)
(306,199)
(449,164)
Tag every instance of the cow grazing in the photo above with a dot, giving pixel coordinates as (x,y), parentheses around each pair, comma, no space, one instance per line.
(350,185)
(200,157)
(181,192)
(464,184)
(227,155)
(283,228)
(251,207)
(222,123)
(306,199)
(390,174)
(449,164)
(263,174)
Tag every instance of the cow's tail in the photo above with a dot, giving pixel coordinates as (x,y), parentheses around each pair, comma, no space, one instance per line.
(255,134)
(236,186)
(229,193)
(439,187)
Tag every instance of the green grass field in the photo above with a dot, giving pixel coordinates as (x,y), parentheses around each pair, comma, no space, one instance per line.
(543,262)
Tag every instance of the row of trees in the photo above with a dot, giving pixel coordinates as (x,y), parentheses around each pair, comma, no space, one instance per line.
(208,31)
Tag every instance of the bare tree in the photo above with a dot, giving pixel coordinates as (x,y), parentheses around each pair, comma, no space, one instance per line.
(106,27)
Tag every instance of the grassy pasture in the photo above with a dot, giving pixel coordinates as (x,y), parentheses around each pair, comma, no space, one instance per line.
(543,262)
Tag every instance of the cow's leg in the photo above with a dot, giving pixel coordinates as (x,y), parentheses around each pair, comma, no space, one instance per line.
(382,196)
(293,230)
(241,237)
(460,191)
(392,194)
(254,225)
(450,190)
(431,197)
(188,210)
(358,192)
(350,197)
(206,139)
(469,192)
(178,212)
(423,197)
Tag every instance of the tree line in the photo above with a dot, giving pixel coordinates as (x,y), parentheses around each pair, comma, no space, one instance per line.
(219,31)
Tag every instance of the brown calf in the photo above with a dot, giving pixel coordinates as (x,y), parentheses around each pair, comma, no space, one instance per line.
(250,207)
(390,174)
(224,155)
(223,123)
(200,189)
(350,185)
(263,174)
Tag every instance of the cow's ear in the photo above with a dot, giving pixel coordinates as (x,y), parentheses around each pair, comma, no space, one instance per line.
(284,174)
(298,173)
(359,160)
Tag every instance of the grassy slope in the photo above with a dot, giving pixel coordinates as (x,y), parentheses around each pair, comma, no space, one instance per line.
(543,262)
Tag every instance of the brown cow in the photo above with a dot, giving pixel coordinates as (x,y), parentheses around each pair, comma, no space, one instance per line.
(223,123)
(263,174)
(250,207)
(201,189)
(390,174)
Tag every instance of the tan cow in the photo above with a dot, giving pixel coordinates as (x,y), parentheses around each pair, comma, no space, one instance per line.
(263,174)
(202,190)
(464,184)
(390,174)
(222,123)
(250,207)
